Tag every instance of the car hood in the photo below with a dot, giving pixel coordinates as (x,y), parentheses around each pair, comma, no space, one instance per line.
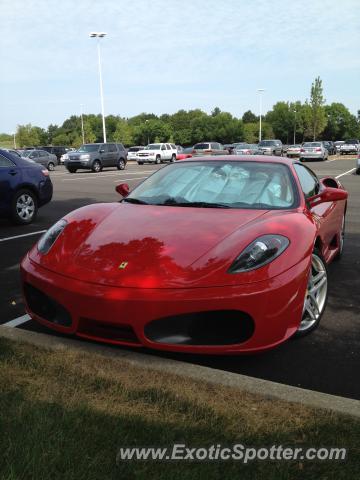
(150,246)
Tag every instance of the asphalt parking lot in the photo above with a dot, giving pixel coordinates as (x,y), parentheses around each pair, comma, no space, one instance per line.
(326,361)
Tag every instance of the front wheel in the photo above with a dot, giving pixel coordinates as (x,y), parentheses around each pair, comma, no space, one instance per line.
(140,163)
(316,295)
(96,166)
(158,159)
(72,170)
(24,207)
(51,166)
(121,164)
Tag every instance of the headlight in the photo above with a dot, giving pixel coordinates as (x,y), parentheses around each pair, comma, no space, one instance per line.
(261,251)
(49,238)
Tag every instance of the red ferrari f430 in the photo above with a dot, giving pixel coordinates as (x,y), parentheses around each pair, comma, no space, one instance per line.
(208,255)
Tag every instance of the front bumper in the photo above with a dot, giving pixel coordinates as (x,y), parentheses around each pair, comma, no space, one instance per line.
(275,307)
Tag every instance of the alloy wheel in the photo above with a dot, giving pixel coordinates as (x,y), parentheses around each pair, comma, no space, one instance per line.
(316,294)
(25,207)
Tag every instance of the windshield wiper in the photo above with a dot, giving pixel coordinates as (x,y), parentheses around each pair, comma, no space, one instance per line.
(134,200)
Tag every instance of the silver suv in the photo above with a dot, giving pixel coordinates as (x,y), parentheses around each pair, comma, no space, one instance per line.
(96,156)
(271,147)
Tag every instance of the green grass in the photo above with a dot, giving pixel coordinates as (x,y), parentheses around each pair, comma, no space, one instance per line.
(64,415)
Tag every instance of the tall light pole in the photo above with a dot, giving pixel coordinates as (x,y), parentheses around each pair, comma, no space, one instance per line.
(260,92)
(99,35)
(294,126)
(82,124)
(147,130)
(15,141)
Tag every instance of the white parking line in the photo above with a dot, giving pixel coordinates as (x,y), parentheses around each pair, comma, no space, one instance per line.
(21,236)
(130,179)
(346,173)
(17,321)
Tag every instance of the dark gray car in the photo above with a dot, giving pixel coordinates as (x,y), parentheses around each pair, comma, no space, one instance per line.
(96,156)
(46,159)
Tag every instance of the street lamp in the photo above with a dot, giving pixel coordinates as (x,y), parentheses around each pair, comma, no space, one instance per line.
(147,129)
(99,35)
(260,92)
(15,141)
(82,124)
(294,126)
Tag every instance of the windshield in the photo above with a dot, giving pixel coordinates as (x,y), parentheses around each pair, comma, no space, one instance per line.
(240,184)
(153,146)
(238,146)
(351,142)
(312,144)
(26,153)
(266,143)
(201,146)
(134,149)
(89,148)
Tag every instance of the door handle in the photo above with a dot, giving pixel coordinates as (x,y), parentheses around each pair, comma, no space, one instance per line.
(13,172)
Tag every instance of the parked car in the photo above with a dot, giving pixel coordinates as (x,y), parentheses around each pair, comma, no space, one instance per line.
(293,151)
(271,147)
(157,153)
(338,144)
(350,146)
(12,151)
(209,148)
(229,147)
(56,150)
(25,186)
(245,149)
(132,152)
(358,164)
(96,156)
(314,151)
(48,160)
(330,147)
(209,255)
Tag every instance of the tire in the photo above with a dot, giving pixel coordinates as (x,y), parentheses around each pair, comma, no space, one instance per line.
(358,171)
(341,239)
(121,164)
(24,207)
(140,163)
(51,166)
(72,170)
(173,158)
(315,297)
(96,167)
(157,159)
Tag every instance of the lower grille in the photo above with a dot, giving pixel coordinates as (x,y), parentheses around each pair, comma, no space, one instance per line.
(116,333)
(46,307)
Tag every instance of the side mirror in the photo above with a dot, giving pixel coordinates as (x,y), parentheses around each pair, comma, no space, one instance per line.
(123,189)
(328,194)
(102,150)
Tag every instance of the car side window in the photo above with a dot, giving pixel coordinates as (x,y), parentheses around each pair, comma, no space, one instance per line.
(34,155)
(309,182)
(215,146)
(5,162)
(163,147)
(112,147)
(168,147)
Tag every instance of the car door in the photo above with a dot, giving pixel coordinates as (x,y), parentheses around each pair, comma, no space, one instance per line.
(105,155)
(163,152)
(328,214)
(34,155)
(113,154)
(9,176)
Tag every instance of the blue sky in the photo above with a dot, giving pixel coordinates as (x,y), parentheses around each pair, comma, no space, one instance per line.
(163,55)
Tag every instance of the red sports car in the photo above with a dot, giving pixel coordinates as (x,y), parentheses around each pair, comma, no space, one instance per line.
(208,255)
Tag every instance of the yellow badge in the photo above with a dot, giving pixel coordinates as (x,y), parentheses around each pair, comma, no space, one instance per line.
(123,265)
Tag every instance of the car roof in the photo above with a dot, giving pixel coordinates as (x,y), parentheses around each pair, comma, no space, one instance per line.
(244,158)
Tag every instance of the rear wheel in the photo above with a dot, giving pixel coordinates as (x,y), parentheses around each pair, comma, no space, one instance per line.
(173,158)
(96,166)
(341,240)
(51,166)
(24,207)
(316,295)
(140,163)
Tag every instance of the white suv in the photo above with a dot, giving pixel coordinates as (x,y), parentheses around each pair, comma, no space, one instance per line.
(157,153)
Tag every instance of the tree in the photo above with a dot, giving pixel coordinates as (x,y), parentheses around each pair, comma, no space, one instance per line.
(250,117)
(341,124)
(315,115)
(123,133)
(28,136)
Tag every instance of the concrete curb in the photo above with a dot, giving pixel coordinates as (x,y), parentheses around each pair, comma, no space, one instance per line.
(252,385)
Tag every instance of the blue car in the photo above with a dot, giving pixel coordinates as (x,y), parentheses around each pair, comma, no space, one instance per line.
(24,187)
